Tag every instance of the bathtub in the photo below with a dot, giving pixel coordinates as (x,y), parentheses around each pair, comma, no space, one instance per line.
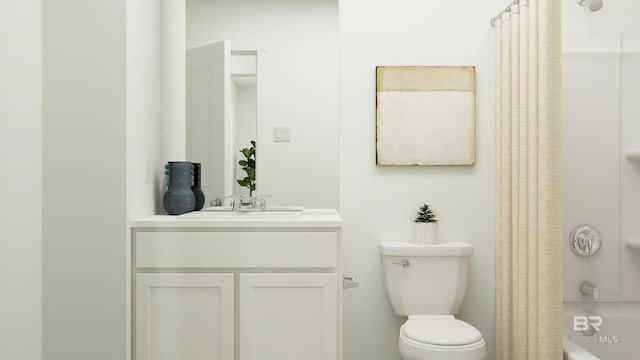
(573,351)
(616,336)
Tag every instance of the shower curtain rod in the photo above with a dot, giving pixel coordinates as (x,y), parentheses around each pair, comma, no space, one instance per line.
(507,9)
(593,5)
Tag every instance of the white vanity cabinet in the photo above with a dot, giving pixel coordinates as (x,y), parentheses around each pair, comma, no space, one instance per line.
(184,316)
(288,316)
(236,289)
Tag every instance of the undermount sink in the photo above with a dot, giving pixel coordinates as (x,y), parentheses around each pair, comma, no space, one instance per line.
(228,214)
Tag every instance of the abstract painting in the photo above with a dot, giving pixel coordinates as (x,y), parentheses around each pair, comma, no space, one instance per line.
(425,115)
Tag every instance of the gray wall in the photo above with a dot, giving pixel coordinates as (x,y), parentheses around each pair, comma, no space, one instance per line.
(101,129)
(21,179)
(84,177)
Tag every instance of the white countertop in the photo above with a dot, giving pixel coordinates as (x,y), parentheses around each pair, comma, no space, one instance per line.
(307,218)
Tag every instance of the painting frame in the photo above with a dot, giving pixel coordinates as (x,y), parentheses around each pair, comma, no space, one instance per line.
(425,115)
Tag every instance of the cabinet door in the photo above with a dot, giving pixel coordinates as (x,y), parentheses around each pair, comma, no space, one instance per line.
(184,316)
(288,316)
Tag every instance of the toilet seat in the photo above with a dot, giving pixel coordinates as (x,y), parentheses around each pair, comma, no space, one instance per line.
(440,337)
(443,330)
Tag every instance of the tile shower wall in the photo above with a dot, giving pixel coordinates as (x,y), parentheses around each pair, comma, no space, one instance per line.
(630,169)
(591,161)
(601,70)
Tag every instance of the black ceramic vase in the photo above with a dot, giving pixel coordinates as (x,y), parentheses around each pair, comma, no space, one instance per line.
(197,190)
(179,198)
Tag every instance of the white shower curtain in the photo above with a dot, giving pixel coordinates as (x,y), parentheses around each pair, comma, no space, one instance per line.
(528,182)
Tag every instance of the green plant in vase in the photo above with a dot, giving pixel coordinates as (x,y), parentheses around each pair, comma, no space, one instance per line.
(249,166)
(426,228)
(425,214)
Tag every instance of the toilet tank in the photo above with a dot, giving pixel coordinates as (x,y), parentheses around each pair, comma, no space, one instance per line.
(425,279)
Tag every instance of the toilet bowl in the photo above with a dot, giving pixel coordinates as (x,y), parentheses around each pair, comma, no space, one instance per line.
(440,337)
(427,284)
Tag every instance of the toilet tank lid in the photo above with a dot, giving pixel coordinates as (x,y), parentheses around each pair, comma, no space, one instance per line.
(413,249)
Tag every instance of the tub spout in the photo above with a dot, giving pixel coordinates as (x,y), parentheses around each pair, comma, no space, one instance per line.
(591,289)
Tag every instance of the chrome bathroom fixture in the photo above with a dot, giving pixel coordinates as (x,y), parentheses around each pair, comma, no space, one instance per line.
(590,289)
(350,281)
(584,240)
(594,5)
(506,9)
(404,263)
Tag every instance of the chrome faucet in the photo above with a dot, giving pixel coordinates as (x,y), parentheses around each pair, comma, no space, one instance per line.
(591,289)
(249,203)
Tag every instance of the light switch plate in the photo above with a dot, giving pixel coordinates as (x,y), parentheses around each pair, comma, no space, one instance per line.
(281,134)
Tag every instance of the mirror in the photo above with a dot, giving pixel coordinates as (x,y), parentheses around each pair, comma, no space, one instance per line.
(281,57)
(221,113)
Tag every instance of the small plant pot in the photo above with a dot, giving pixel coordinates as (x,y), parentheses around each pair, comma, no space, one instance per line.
(425,233)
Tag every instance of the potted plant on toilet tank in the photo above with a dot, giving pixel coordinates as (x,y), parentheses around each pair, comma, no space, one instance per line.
(426,226)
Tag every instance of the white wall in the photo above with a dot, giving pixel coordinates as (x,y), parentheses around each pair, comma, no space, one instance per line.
(377,203)
(301,81)
(101,123)
(145,169)
(145,172)
(601,70)
(84,178)
(173,81)
(21,179)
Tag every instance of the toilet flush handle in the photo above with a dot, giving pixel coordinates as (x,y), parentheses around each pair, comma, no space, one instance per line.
(404,263)
(350,281)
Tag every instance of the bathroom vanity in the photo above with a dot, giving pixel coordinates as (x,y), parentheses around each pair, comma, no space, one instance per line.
(237,286)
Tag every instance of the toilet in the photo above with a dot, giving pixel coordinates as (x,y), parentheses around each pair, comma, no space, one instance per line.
(427,283)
